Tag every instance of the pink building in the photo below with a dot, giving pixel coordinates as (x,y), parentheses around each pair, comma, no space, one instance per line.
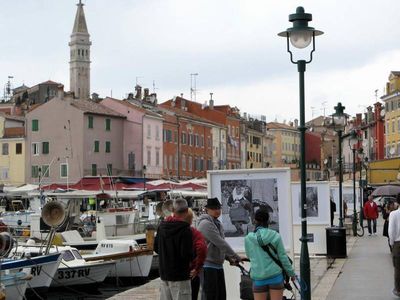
(143,144)
(68,139)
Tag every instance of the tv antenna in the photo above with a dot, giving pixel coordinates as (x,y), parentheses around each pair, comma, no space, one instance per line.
(323,104)
(193,88)
(312,112)
(8,90)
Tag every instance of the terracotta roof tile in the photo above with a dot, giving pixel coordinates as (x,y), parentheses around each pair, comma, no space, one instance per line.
(88,106)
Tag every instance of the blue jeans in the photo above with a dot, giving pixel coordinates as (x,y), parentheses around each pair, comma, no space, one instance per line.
(369,225)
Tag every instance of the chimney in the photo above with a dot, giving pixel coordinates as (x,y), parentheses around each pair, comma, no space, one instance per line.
(60,91)
(245,115)
(95,97)
(130,96)
(146,93)
(211,103)
(296,123)
(181,95)
(138,90)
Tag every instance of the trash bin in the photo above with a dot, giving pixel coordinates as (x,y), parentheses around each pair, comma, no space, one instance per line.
(336,242)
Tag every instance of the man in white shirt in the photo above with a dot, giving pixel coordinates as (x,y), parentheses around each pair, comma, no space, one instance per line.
(394,240)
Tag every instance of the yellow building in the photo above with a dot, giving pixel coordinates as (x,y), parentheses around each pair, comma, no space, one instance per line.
(384,171)
(392,115)
(254,149)
(12,150)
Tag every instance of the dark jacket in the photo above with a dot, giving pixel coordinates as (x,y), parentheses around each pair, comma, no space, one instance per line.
(174,246)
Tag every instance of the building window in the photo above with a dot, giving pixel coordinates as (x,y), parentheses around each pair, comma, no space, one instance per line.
(35,125)
(96,146)
(148,131)
(157,157)
(4,149)
(183,162)
(131,161)
(108,124)
(4,173)
(183,138)
(108,147)
(63,170)
(190,163)
(18,148)
(90,122)
(35,171)
(393,127)
(157,133)
(109,169)
(45,147)
(35,148)
(45,171)
(149,156)
(94,170)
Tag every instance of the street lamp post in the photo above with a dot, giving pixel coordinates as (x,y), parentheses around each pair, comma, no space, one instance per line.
(144,177)
(353,139)
(339,119)
(301,36)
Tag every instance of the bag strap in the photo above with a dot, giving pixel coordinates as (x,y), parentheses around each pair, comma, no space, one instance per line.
(267,248)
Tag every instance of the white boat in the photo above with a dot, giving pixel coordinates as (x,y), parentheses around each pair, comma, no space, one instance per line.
(131,259)
(15,284)
(42,268)
(73,269)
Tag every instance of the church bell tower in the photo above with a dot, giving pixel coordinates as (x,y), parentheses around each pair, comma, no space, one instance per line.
(79,64)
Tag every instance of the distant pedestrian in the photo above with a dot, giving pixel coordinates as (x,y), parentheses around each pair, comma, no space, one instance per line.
(213,277)
(387,209)
(333,210)
(173,244)
(394,240)
(371,214)
(265,273)
(200,251)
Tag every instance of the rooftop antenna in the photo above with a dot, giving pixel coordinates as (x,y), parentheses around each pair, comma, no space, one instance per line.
(154,86)
(312,112)
(7,90)
(323,104)
(193,89)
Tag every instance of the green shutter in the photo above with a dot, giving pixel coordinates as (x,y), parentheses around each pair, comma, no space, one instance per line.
(35,171)
(64,170)
(45,147)
(90,121)
(109,169)
(108,124)
(35,125)
(94,170)
(108,147)
(96,146)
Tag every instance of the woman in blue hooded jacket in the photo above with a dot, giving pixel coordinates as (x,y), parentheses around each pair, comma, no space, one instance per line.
(265,273)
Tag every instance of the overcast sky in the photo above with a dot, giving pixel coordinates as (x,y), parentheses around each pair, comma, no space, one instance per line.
(231,44)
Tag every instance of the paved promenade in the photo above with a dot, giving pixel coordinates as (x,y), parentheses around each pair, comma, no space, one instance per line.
(367,273)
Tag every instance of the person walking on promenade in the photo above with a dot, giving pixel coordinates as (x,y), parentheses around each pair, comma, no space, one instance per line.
(394,240)
(174,246)
(371,214)
(387,209)
(213,277)
(265,273)
(200,250)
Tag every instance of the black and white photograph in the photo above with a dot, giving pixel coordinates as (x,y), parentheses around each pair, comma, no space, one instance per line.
(242,198)
(312,201)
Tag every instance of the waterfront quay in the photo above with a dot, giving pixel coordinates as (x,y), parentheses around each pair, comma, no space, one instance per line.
(324,273)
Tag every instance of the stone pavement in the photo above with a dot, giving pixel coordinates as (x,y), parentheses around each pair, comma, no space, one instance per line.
(367,273)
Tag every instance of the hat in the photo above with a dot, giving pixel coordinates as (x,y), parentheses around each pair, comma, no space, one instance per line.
(213,203)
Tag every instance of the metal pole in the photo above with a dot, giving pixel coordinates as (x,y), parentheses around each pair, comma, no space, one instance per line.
(361,195)
(304,255)
(340,179)
(354,192)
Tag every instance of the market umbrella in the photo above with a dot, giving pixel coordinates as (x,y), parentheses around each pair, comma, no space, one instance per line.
(386,190)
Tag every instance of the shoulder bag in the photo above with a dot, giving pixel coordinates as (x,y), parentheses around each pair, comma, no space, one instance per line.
(267,248)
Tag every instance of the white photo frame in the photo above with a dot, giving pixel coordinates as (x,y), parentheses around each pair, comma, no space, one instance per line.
(318,202)
(269,187)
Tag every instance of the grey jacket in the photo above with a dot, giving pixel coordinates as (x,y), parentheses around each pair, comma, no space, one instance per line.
(217,248)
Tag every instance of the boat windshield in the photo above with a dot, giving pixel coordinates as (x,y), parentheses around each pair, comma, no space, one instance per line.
(68,256)
(77,254)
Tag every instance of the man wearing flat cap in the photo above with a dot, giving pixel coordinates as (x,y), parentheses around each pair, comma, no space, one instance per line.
(213,279)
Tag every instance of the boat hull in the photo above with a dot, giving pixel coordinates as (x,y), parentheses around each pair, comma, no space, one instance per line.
(88,274)
(137,266)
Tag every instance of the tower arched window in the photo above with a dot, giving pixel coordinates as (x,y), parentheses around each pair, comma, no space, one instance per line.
(79,52)
(87,52)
